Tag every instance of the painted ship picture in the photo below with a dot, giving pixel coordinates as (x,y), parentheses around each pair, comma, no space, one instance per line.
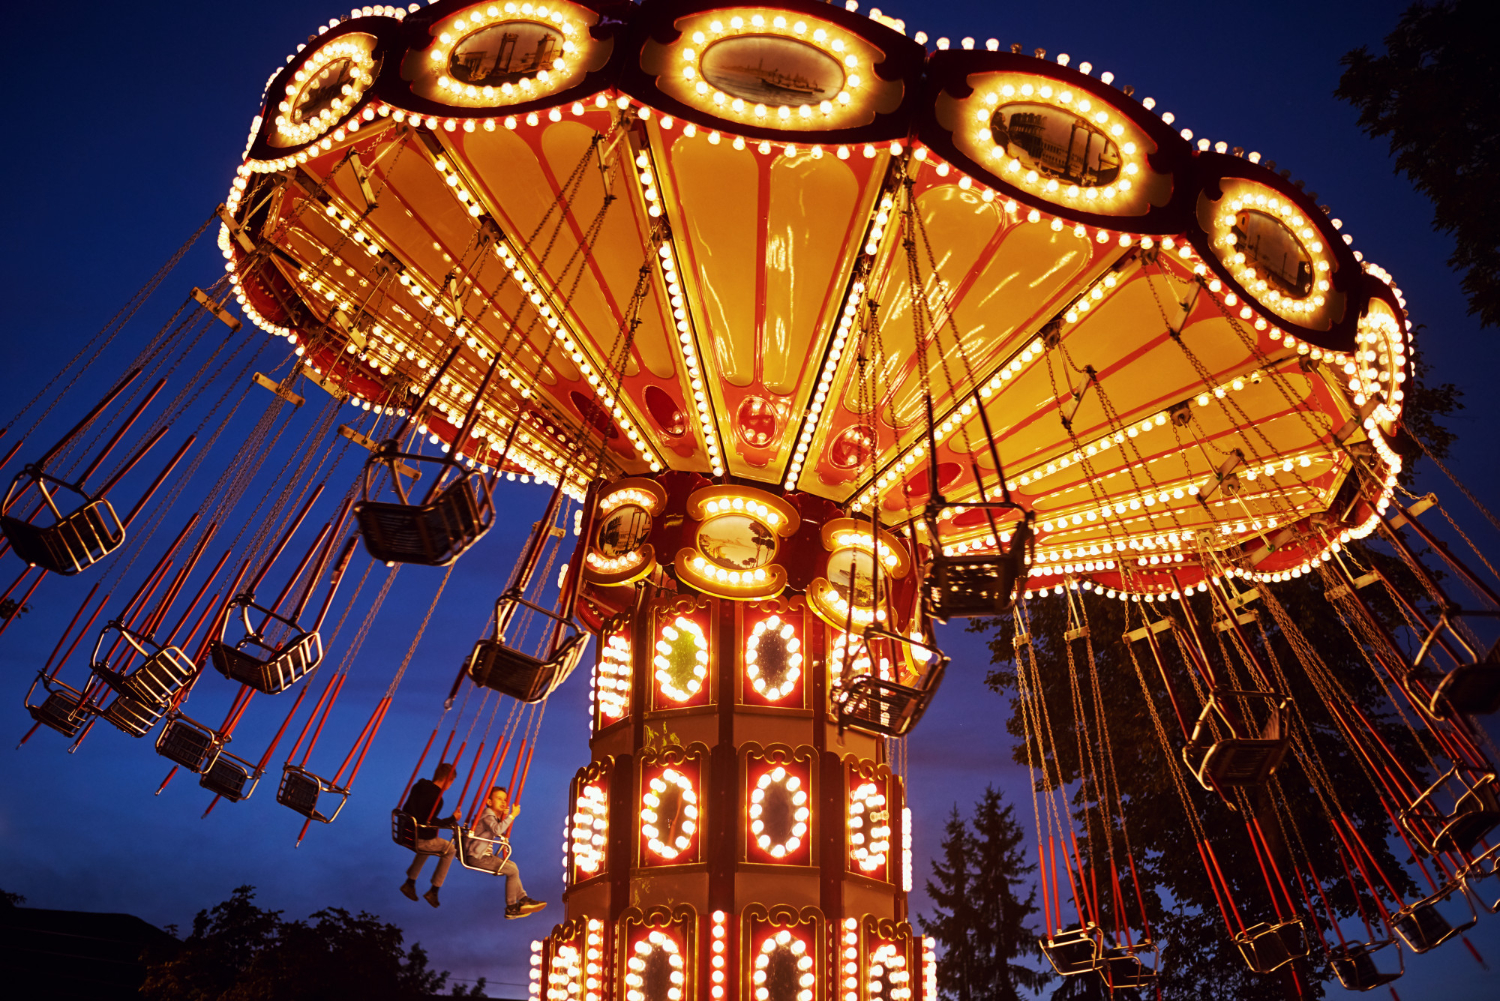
(773,71)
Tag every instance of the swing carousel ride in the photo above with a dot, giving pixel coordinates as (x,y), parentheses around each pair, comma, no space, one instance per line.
(819,334)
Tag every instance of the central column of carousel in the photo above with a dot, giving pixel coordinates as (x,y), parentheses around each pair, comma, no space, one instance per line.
(729,841)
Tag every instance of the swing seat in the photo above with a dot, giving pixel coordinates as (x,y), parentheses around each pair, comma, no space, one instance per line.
(404,832)
(467,840)
(1235,760)
(160,676)
(433,534)
(868,702)
(1354,965)
(230,777)
(1468,690)
(518,674)
(286,665)
(190,744)
(1476,812)
(1268,947)
(62,709)
(132,716)
(1123,968)
(1423,927)
(76,542)
(1072,951)
(302,791)
(976,585)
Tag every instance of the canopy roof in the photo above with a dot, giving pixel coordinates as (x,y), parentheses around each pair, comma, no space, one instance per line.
(740,202)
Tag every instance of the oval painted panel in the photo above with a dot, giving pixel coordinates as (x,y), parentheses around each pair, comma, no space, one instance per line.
(737,542)
(322,90)
(769,69)
(852,574)
(1057,144)
(623,531)
(1274,252)
(505,53)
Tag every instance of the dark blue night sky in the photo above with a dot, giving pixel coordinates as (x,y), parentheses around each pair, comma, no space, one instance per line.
(126,124)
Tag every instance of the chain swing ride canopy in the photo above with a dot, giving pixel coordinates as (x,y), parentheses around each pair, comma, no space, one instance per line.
(1170,342)
(828,336)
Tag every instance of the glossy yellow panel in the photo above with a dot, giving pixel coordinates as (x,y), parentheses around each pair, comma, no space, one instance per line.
(718,187)
(808,224)
(616,255)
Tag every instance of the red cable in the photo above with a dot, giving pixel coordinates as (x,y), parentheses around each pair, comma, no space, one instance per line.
(418,768)
(318,731)
(327,687)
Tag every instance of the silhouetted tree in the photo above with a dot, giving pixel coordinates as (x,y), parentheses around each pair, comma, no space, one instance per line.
(1432,94)
(240,952)
(980,921)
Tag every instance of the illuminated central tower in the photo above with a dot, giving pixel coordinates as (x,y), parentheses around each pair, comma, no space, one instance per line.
(729,839)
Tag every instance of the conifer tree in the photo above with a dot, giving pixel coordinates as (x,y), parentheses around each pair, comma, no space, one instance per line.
(980,919)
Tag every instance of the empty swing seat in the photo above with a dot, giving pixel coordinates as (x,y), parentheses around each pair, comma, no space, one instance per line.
(286,665)
(976,585)
(1422,926)
(1267,947)
(230,777)
(161,675)
(303,792)
(1123,968)
(1072,951)
(1235,761)
(432,534)
(1354,965)
(76,542)
(868,702)
(1469,689)
(131,715)
(190,744)
(61,710)
(518,674)
(1476,812)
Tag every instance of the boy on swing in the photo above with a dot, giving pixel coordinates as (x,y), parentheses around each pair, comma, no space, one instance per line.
(494,826)
(423,804)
